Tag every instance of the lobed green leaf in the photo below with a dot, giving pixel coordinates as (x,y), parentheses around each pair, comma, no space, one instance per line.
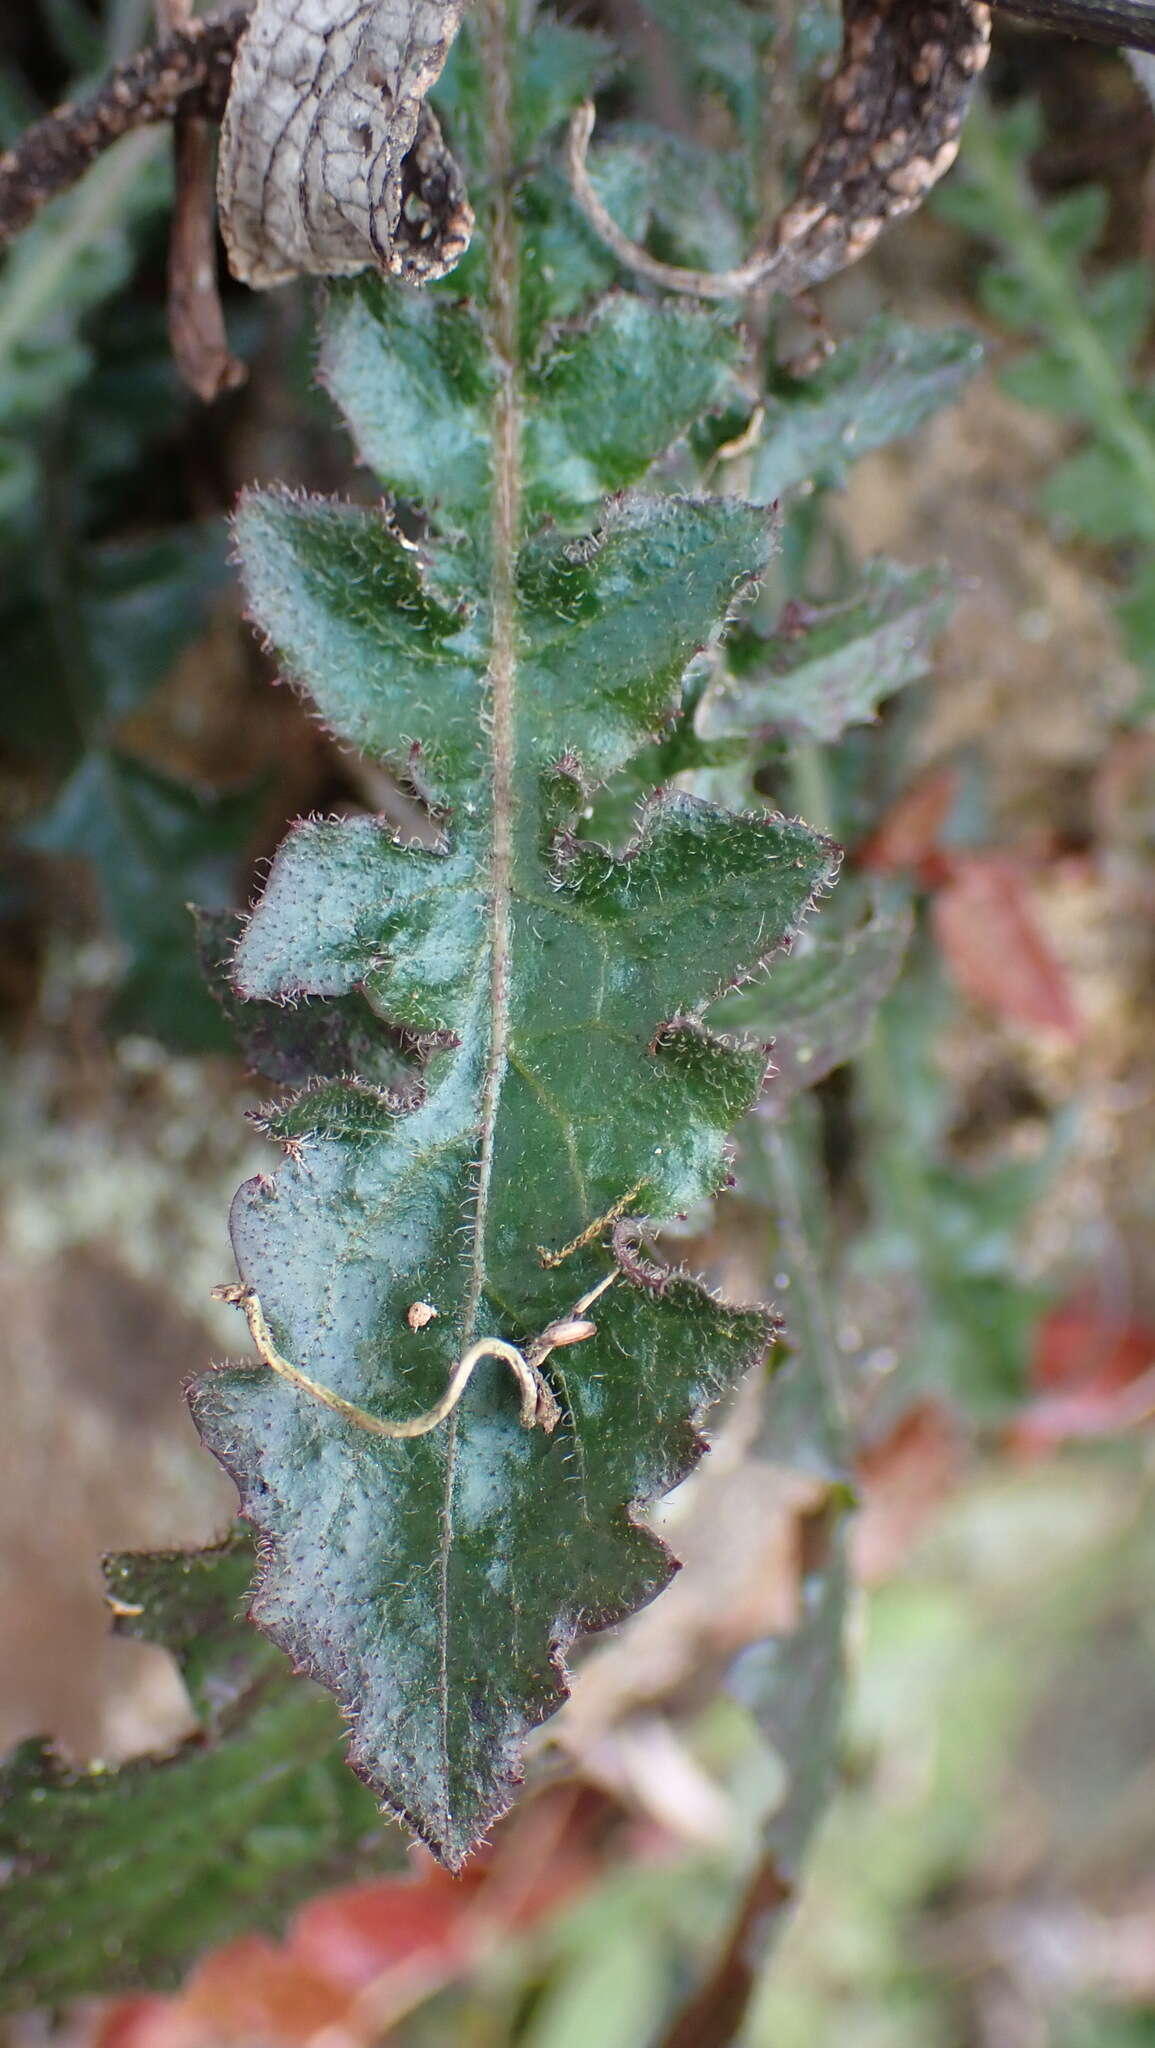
(832,666)
(435,1584)
(514,625)
(883,383)
(115,1879)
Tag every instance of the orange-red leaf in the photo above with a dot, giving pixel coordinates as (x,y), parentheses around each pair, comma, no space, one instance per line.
(905,1477)
(908,837)
(994,946)
(1096,1375)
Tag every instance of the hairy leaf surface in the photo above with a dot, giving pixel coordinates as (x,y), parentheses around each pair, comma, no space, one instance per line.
(116,1878)
(504,666)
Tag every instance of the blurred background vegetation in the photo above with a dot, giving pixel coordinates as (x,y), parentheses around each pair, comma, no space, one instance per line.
(956,1222)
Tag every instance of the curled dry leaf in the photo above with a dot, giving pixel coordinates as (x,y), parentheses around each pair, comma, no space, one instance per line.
(891,119)
(331,162)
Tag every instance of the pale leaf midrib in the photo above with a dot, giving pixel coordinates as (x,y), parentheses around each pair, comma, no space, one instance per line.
(493,32)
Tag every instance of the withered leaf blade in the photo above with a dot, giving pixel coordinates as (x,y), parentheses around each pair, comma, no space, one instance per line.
(330,161)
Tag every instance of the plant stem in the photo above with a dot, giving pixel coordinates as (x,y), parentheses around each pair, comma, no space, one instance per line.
(127,24)
(810,788)
(1019,224)
(495,33)
(792,1174)
(894,1151)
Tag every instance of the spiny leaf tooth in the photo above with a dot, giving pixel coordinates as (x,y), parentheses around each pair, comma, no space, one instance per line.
(344,1106)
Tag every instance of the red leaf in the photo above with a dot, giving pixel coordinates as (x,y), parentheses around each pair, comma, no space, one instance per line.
(1070,1418)
(1097,1372)
(989,935)
(909,833)
(351,1936)
(130,2022)
(905,1478)
(403,1936)
(1081,1344)
(254,1990)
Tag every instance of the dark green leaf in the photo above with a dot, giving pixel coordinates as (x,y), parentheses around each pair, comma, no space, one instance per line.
(139,606)
(1013,299)
(115,1879)
(697,199)
(1120,305)
(76,255)
(1093,493)
(393,654)
(831,666)
(291,1045)
(964,197)
(565,266)
(74,33)
(949,1235)
(88,633)
(435,1584)
(439,1583)
(193,1603)
(1074,224)
(883,384)
(561,65)
(610,396)
(412,377)
(155,846)
(1047,379)
(722,47)
(1137,618)
(617,392)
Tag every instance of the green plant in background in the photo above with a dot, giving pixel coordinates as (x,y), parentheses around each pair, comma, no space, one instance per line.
(113,633)
(1091,326)
(70,263)
(508,1037)
(94,622)
(946,1235)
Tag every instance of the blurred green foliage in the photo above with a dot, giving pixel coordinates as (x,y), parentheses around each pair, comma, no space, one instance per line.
(1090,323)
(107,574)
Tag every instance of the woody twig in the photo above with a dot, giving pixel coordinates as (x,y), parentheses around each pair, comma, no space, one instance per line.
(188,71)
(196,321)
